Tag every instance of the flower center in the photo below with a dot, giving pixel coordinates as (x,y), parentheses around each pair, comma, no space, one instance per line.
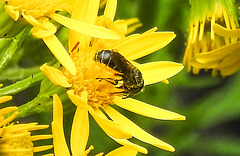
(94,77)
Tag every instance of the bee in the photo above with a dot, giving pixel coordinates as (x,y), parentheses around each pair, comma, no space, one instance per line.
(130,75)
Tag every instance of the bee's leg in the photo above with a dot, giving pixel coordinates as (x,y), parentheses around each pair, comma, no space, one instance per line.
(121,92)
(125,92)
(126,96)
(120,87)
(110,80)
(118,74)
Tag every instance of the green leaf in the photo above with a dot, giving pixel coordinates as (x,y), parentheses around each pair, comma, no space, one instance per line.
(218,107)
(220,146)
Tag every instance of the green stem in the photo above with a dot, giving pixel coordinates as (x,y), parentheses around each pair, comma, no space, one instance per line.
(37,105)
(43,102)
(16,42)
(21,85)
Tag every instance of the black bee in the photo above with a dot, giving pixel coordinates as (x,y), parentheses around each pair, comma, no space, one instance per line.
(131,76)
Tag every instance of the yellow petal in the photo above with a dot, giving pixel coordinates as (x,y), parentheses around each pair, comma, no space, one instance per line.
(230,64)
(40,137)
(144,44)
(165,81)
(12,151)
(38,127)
(88,150)
(123,151)
(42,148)
(57,110)
(218,54)
(90,14)
(33,128)
(60,53)
(59,142)
(30,19)
(227,71)
(5,99)
(85,28)
(230,60)
(80,10)
(195,32)
(55,75)
(84,11)
(77,100)
(49,30)
(205,65)
(20,127)
(8,109)
(154,29)
(137,131)
(110,9)
(201,30)
(110,128)
(127,143)
(146,109)
(158,71)
(13,136)
(80,128)
(11,11)
(132,28)
(126,39)
(137,65)
(221,31)
(9,119)
(51,154)
(28,127)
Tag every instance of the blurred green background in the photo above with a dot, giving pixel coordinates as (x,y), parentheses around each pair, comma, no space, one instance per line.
(211,105)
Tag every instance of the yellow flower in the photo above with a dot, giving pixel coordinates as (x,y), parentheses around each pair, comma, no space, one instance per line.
(225,59)
(16,138)
(38,12)
(209,46)
(78,140)
(91,89)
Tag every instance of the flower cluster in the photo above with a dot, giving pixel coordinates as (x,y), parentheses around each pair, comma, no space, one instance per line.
(96,86)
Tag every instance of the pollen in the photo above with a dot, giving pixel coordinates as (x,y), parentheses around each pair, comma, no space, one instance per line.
(94,77)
